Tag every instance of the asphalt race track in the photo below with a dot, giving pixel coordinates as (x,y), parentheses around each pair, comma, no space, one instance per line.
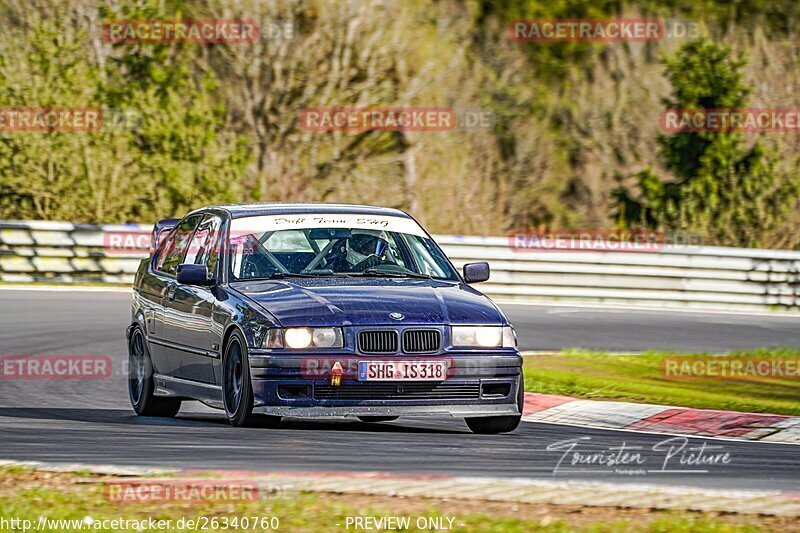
(553,328)
(91,421)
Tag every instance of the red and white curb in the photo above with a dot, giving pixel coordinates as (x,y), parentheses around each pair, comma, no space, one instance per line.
(514,490)
(661,419)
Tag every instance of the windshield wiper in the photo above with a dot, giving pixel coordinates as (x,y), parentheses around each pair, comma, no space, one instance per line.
(281,275)
(384,273)
(369,272)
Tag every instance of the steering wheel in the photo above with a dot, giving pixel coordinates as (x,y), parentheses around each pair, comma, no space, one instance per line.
(371,261)
(250,268)
(325,256)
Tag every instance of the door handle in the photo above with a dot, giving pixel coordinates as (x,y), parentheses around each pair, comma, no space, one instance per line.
(149,316)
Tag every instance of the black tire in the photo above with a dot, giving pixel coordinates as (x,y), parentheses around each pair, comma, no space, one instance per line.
(237,389)
(140,381)
(490,425)
(371,419)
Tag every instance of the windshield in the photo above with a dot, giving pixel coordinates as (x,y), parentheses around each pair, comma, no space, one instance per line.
(340,245)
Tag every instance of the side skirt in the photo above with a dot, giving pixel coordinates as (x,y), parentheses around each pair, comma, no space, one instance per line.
(187,389)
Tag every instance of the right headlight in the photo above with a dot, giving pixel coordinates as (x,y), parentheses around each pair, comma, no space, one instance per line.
(303,338)
(483,337)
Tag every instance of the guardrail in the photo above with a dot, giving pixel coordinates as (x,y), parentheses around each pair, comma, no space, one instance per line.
(705,278)
(62,252)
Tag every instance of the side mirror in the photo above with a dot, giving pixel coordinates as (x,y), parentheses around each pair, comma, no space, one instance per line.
(189,274)
(476,272)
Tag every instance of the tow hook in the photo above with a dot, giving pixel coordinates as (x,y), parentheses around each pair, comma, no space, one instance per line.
(336,374)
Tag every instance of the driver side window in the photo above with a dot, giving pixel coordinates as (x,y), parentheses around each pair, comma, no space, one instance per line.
(203,250)
(175,245)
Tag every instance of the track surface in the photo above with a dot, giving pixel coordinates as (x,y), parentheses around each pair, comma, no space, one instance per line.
(91,421)
(553,328)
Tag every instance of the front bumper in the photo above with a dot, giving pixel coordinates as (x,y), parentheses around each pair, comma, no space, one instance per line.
(322,411)
(477,385)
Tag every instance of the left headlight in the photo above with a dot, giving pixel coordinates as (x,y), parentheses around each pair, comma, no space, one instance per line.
(303,338)
(483,337)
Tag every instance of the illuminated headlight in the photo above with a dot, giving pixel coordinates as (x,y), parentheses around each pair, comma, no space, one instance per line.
(303,338)
(484,336)
(298,338)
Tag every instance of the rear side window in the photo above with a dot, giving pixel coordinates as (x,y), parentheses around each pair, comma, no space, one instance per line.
(175,246)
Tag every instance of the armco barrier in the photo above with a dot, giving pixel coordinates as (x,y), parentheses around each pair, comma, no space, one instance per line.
(736,279)
(705,278)
(62,252)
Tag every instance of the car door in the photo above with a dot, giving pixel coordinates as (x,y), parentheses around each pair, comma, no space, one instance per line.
(149,299)
(191,334)
(164,272)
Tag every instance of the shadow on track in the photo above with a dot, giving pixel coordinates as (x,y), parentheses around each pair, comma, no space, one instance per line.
(306,424)
(91,415)
(127,417)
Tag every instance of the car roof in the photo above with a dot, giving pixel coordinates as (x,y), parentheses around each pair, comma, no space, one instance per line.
(294,208)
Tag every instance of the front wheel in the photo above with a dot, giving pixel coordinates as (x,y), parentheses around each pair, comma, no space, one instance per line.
(490,425)
(140,381)
(237,389)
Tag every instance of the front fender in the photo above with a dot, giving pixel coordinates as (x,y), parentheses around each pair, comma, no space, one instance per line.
(247,316)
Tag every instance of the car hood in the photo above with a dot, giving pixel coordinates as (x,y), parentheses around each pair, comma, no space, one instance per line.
(369,301)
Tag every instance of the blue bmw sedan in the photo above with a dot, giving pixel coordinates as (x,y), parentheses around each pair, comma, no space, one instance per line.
(317,310)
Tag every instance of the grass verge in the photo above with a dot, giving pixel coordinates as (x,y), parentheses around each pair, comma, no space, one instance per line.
(29,495)
(641,379)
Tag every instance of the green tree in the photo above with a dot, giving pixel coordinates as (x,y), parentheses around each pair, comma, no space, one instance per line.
(732,193)
(174,152)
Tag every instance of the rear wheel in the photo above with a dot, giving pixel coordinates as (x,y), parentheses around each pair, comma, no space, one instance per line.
(489,425)
(140,381)
(237,389)
(370,419)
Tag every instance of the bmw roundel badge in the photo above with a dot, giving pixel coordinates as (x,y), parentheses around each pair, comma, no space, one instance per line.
(396,316)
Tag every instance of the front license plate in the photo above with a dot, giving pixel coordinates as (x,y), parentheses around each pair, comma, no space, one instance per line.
(402,370)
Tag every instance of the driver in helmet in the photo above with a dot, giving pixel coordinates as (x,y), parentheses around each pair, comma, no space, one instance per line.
(367,250)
